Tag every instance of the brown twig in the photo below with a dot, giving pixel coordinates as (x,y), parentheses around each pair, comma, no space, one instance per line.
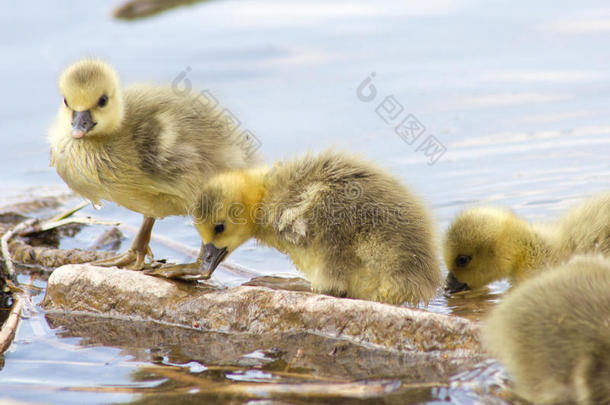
(49,257)
(10,325)
(21,227)
(133,9)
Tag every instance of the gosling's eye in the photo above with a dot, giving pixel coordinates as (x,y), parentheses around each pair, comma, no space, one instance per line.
(102,101)
(219,228)
(66,102)
(462,260)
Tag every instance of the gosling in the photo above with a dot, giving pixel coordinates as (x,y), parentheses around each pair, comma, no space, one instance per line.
(147,148)
(553,334)
(354,230)
(486,244)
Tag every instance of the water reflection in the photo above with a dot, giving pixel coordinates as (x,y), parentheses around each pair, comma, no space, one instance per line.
(219,365)
(472,304)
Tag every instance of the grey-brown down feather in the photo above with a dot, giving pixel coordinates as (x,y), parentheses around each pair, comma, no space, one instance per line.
(352,228)
(552,333)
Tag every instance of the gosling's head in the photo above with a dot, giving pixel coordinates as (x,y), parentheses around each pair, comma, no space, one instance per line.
(92,103)
(225,216)
(478,247)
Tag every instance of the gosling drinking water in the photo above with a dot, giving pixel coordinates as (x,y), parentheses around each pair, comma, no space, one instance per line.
(486,244)
(352,228)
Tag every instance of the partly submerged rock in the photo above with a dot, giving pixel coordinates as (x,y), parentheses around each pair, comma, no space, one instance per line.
(426,345)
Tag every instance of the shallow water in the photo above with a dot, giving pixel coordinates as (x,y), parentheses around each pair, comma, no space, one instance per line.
(517,94)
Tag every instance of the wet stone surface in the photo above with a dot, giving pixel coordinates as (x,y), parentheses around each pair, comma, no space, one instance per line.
(327,336)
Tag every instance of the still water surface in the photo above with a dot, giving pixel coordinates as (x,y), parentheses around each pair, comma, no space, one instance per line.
(516,94)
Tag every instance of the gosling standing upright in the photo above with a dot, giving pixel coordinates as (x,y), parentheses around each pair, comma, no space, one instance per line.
(146,148)
(353,229)
(486,244)
(553,334)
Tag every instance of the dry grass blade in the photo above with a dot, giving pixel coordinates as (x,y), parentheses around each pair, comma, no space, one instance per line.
(48,225)
(70,212)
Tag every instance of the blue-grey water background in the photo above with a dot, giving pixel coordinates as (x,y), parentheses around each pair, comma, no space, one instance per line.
(516,92)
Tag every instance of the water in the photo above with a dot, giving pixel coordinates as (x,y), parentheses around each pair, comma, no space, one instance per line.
(517,93)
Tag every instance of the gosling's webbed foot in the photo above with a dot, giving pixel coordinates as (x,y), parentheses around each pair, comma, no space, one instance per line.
(187,271)
(140,262)
(135,257)
(121,260)
(132,259)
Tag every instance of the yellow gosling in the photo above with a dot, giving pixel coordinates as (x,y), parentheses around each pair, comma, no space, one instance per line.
(553,334)
(486,244)
(353,229)
(147,148)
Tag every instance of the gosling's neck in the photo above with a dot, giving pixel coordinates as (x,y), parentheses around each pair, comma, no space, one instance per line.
(529,250)
(251,183)
(262,212)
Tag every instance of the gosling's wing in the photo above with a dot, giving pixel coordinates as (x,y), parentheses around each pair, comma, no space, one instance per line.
(291,225)
(174,130)
(299,213)
(168,148)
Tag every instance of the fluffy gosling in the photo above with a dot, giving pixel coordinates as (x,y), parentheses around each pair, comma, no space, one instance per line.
(553,334)
(353,229)
(146,148)
(487,244)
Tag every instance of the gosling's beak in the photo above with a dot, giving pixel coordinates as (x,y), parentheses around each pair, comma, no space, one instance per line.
(82,122)
(212,257)
(453,285)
